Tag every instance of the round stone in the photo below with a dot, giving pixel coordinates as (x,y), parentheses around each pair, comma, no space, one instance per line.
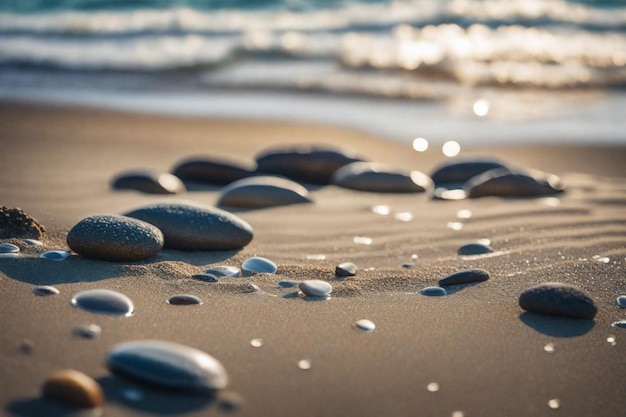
(505,183)
(168,364)
(346,269)
(73,388)
(149,181)
(621,301)
(9,248)
(380,178)
(315,288)
(45,290)
(55,255)
(459,172)
(257,264)
(183,300)
(555,298)
(219,171)
(102,301)
(465,276)
(224,271)
(196,227)
(262,192)
(314,164)
(474,249)
(434,291)
(15,223)
(115,238)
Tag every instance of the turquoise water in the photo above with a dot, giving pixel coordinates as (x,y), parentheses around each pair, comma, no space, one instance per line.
(479,64)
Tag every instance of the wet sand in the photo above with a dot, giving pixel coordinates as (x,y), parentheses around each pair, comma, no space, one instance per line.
(486,355)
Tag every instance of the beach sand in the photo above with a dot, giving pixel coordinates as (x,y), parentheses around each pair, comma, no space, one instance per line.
(486,355)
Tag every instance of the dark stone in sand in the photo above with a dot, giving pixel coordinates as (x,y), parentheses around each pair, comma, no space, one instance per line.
(195,227)
(224,271)
(168,364)
(505,183)
(555,298)
(262,192)
(206,277)
(461,171)
(314,164)
(15,223)
(474,249)
(466,276)
(73,388)
(346,269)
(115,238)
(45,290)
(434,292)
(9,248)
(183,300)
(377,177)
(219,171)
(149,181)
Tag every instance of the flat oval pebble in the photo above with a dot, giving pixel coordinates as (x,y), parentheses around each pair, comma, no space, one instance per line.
(206,277)
(168,364)
(149,181)
(315,288)
(115,238)
(621,324)
(380,178)
(33,242)
(103,301)
(555,298)
(258,264)
(314,164)
(262,192)
(55,255)
(224,271)
(434,291)
(459,172)
(474,249)
(465,276)
(15,223)
(365,325)
(504,183)
(73,388)
(183,300)
(9,248)
(219,171)
(87,331)
(195,227)
(621,301)
(346,269)
(43,290)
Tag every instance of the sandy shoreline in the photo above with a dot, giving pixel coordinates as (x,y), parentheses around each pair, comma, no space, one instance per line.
(486,355)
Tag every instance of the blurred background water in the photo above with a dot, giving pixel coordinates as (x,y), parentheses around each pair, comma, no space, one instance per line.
(472,70)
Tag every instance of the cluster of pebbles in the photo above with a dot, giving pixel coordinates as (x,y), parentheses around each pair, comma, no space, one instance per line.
(277,175)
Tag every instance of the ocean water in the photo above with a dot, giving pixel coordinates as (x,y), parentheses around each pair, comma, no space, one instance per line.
(469,70)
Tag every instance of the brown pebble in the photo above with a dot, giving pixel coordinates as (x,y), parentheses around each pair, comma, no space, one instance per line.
(73,388)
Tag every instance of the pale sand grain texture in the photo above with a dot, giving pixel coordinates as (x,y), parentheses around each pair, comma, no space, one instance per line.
(486,355)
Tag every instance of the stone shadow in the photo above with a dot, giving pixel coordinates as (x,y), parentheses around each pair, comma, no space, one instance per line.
(556,326)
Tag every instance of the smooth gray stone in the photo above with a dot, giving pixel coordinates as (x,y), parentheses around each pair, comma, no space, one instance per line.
(310,164)
(45,290)
(262,192)
(461,171)
(212,170)
(206,277)
(9,248)
(380,178)
(474,249)
(434,292)
(346,269)
(149,181)
(621,301)
(33,242)
(224,271)
(168,364)
(195,227)
(103,301)
(555,298)
(184,300)
(55,255)
(315,288)
(466,276)
(260,265)
(115,238)
(505,183)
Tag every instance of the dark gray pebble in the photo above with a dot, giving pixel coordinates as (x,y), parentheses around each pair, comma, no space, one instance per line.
(211,170)
(474,249)
(310,164)
(115,238)
(346,269)
(206,277)
(55,255)
(224,271)
(465,277)
(9,248)
(195,227)
(44,290)
(183,300)
(459,172)
(505,183)
(377,177)
(555,298)
(262,192)
(434,292)
(149,181)
(168,364)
